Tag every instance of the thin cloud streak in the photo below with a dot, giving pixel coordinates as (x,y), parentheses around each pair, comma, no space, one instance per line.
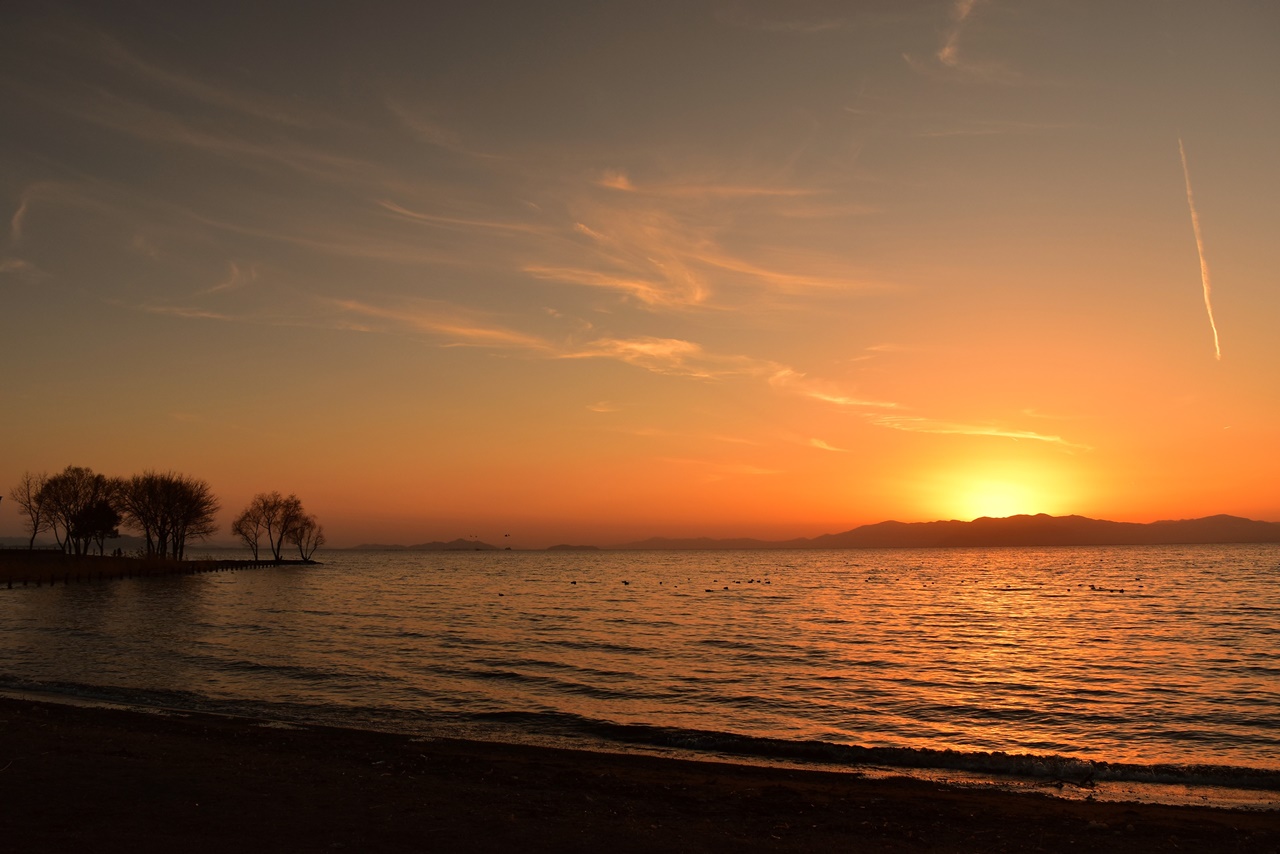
(237,277)
(16,221)
(949,53)
(917,424)
(618,180)
(1204,262)
(950,61)
(433,133)
(797,383)
(650,293)
(187,313)
(460,330)
(458,222)
(16,265)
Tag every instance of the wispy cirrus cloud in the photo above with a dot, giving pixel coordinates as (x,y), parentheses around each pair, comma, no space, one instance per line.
(992,127)
(461,222)
(675,245)
(425,127)
(615,179)
(255,104)
(456,326)
(950,59)
(667,356)
(16,221)
(237,277)
(949,53)
(16,265)
(91,76)
(919,424)
(671,356)
(188,312)
(797,383)
(649,292)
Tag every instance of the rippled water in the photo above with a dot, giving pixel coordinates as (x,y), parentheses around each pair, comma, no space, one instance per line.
(1142,656)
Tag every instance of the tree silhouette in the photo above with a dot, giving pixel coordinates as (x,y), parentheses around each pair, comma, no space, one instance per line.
(169,509)
(96,523)
(248,526)
(26,494)
(276,515)
(307,535)
(68,497)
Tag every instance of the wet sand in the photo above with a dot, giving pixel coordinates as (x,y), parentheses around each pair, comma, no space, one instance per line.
(91,779)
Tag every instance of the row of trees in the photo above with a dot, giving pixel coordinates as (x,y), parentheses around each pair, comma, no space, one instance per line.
(282,520)
(84,509)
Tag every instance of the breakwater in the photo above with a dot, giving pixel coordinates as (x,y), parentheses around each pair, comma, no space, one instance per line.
(41,567)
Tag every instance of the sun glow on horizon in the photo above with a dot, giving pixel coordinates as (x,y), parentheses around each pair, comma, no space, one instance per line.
(999,490)
(997,499)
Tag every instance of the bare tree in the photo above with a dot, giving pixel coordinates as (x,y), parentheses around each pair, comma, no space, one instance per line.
(278,516)
(96,523)
(248,526)
(193,511)
(141,500)
(26,494)
(307,535)
(169,509)
(68,498)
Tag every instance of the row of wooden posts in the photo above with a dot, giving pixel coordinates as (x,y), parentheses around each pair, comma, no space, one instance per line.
(139,569)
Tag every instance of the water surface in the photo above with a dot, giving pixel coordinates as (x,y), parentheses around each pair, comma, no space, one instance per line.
(1161,663)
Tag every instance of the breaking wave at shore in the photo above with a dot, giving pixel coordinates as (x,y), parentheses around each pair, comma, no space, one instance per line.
(1200,784)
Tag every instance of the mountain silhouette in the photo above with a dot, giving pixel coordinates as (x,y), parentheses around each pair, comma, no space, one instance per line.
(459,545)
(1038,530)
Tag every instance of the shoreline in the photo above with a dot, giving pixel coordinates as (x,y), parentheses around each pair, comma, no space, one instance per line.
(87,777)
(1056,777)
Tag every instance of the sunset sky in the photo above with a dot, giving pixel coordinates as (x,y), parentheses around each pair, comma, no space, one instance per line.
(592,272)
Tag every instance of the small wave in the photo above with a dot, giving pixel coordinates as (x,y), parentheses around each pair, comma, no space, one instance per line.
(1068,769)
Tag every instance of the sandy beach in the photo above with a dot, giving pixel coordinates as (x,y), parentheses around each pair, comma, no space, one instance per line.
(92,779)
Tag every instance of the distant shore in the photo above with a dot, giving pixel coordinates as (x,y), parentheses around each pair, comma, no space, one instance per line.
(1040,530)
(85,778)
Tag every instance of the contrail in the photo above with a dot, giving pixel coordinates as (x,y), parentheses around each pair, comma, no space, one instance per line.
(1204,264)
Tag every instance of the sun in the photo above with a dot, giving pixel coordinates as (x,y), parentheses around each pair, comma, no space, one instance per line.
(998,498)
(1000,488)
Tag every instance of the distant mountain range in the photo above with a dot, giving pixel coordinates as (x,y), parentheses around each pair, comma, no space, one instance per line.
(458,545)
(1038,530)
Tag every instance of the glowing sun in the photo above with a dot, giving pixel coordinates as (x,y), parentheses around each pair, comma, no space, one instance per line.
(1002,488)
(996,498)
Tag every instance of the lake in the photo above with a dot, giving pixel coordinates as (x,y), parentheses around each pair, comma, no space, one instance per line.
(1151,671)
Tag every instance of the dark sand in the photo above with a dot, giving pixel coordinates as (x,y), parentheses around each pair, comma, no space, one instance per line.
(88,779)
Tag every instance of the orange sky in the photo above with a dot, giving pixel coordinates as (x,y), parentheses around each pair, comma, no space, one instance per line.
(597,272)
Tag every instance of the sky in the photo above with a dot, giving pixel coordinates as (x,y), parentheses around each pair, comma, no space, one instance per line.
(592,272)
